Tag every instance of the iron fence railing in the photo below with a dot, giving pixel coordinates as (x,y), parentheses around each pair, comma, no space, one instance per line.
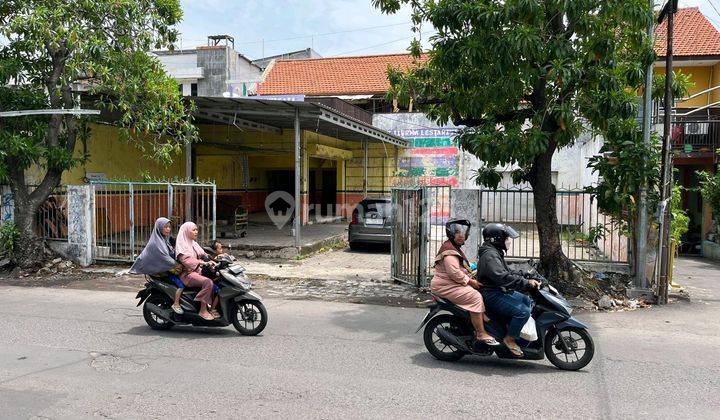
(701,136)
(437,214)
(586,234)
(51,218)
(125,213)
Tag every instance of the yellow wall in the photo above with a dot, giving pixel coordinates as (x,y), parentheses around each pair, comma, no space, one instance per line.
(382,164)
(715,82)
(218,157)
(382,161)
(117,159)
(704,77)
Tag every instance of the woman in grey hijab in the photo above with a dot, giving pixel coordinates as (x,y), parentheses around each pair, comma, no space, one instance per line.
(158,256)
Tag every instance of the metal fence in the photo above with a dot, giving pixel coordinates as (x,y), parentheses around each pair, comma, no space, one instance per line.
(125,213)
(586,234)
(51,217)
(437,214)
(419,216)
(696,136)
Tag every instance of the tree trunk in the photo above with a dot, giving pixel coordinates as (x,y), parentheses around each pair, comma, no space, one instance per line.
(553,262)
(30,250)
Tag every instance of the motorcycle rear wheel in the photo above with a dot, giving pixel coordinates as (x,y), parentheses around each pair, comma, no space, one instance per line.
(154,321)
(580,348)
(435,345)
(249,317)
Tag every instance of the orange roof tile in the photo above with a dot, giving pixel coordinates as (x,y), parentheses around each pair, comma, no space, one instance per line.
(333,76)
(694,35)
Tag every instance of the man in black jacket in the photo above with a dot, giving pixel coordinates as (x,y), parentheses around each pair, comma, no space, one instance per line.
(501,287)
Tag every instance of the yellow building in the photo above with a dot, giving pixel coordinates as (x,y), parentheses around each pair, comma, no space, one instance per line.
(696,122)
(247,148)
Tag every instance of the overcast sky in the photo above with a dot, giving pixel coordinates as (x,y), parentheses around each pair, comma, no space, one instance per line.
(310,21)
(250,21)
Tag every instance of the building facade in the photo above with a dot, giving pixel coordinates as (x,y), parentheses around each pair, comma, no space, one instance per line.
(695,135)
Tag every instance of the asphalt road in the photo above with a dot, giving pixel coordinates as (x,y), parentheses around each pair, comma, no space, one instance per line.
(78,354)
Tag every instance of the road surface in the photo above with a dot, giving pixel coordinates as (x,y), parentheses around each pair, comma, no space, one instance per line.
(79,354)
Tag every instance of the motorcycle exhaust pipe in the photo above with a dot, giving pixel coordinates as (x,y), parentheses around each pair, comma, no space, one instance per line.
(162,313)
(450,339)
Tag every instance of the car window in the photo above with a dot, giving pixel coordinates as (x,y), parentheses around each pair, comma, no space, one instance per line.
(381,207)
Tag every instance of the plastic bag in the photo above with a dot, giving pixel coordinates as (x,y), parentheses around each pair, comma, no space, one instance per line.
(529,331)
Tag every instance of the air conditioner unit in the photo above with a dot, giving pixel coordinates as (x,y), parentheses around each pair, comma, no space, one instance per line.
(697,128)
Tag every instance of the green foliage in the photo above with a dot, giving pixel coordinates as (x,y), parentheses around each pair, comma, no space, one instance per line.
(682,83)
(596,233)
(679,220)
(53,48)
(525,76)
(626,163)
(710,190)
(9,234)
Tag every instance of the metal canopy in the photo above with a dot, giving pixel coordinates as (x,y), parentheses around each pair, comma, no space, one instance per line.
(274,115)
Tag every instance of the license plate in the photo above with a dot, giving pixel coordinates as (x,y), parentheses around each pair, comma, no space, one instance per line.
(374,221)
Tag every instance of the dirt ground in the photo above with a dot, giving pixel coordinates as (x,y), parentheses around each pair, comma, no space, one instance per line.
(338,275)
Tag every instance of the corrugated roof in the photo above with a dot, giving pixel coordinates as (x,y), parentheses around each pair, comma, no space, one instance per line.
(694,35)
(333,76)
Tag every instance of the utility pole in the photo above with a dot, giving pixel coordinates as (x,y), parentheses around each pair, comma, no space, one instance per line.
(668,13)
(640,286)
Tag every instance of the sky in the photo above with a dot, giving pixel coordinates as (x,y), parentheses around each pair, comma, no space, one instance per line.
(314,23)
(310,21)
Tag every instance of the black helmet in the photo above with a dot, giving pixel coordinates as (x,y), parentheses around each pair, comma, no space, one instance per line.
(457,225)
(497,233)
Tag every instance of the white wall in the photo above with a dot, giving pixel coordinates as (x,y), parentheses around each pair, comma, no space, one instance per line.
(569,166)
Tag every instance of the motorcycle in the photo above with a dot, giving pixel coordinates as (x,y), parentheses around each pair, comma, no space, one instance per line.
(563,339)
(238,305)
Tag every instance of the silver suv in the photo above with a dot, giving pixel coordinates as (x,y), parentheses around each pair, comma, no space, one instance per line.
(371,223)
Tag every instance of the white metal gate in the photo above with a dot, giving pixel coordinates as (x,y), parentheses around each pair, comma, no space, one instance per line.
(419,216)
(125,213)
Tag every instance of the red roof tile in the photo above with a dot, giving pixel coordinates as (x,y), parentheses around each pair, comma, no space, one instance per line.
(333,76)
(694,35)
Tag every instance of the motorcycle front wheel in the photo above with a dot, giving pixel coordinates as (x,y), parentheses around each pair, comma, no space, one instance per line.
(249,317)
(580,348)
(439,349)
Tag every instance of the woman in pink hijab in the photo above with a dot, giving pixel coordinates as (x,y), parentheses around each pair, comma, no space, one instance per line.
(191,255)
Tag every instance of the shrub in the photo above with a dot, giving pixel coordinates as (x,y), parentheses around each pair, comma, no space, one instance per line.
(9,234)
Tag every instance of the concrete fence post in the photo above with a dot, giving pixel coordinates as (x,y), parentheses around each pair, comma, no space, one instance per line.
(80,207)
(465,204)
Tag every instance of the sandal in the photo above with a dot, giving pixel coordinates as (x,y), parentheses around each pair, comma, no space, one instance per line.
(207,317)
(215,314)
(515,351)
(489,341)
(178,309)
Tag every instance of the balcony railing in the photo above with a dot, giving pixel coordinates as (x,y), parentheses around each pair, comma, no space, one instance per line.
(345,108)
(700,137)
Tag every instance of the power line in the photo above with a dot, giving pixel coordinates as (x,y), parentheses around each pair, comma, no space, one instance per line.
(714,8)
(267,41)
(379,45)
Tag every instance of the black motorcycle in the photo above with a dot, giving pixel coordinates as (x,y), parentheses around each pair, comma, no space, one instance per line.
(563,339)
(238,305)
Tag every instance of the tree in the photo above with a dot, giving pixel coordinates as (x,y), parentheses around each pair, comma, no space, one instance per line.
(710,190)
(625,163)
(52,51)
(525,78)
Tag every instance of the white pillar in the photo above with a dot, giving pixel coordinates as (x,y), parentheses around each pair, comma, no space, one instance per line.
(80,205)
(298,171)
(365,168)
